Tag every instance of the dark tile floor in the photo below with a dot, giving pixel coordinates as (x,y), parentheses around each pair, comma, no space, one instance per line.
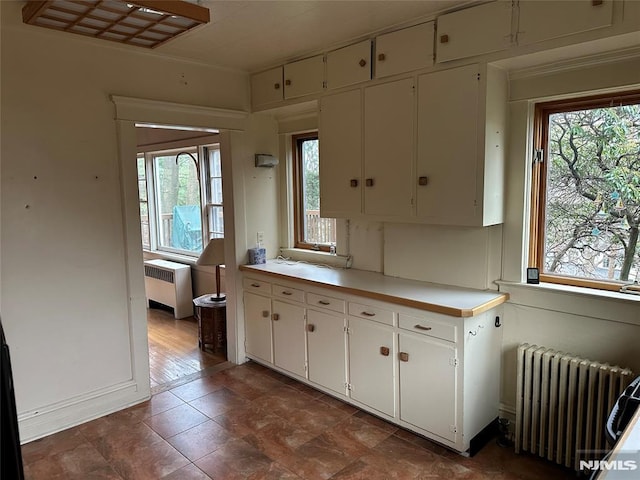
(247,422)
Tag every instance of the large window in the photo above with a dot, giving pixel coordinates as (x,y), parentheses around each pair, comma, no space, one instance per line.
(586,191)
(311,230)
(180,199)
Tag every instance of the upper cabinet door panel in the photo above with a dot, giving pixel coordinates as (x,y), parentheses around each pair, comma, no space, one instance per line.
(404,50)
(543,20)
(474,31)
(266,87)
(349,65)
(304,77)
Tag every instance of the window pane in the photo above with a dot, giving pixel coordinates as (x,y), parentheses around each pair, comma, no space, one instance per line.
(593,194)
(316,230)
(216,222)
(216,190)
(215,170)
(178,203)
(142,190)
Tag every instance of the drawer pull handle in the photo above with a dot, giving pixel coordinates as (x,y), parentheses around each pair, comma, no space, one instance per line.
(311,327)
(384,351)
(444,38)
(404,357)
(275,316)
(381,57)
(422,327)
(368,314)
(422,181)
(353,182)
(324,302)
(276,86)
(265,313)
(362,62)
(369,182)
(256,285)
(287,82)
(286,292)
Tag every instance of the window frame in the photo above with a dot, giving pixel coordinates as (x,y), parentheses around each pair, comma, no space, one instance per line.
(538,191)
(298,194)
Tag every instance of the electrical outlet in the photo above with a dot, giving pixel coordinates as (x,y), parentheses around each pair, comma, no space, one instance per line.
(260,238)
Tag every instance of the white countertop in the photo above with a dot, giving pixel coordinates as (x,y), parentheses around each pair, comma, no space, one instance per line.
(454,301)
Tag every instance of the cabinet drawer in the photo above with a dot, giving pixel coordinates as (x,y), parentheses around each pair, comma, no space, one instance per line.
(371,313)
(428,326)
(287,292)
(330,303)
(258,286)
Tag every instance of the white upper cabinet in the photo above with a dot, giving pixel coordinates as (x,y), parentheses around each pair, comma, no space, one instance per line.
(340,134)
(461,146)
(474,31)
(349,65)
(541,20)
(388,148)
(304,77)
(404,50)
(267,87)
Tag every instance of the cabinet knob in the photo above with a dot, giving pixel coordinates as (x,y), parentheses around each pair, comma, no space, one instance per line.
(286,292)
(362,62)
(444,38)
(381,57)
(404,357)
(368,314)
(369,182)
(255,285)
(596,3)
(276,86)
(423,181)
(353,182)
(384,351)
(265,313)
(275,316)
(311,327)
(287,82)
(324,302)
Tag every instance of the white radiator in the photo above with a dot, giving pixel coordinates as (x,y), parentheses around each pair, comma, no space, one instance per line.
(563,403)
(169,283)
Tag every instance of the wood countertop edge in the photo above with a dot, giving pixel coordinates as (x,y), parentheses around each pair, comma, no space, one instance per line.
(431,307)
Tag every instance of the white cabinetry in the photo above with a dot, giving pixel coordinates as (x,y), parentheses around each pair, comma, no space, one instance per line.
(388,148)
(326,348)
(474,31)
(267,88)
(289,337)
(371,365)
(257,325)
(404,50)
(340,136)
(304,77)
(544,20)
(461,146)
(349,65)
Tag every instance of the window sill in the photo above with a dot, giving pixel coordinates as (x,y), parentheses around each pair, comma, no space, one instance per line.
(312,256)
(587,302)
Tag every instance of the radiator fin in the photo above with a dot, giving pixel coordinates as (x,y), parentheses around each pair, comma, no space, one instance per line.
(562,404)
(159,273)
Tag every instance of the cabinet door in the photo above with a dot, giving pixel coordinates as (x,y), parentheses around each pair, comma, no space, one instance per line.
(370,365)
(288,337)
(349,65)
(428,385)
(447,144)
(266,87)
(544,20)
(326,347)
(474,31)
(404,50)
(388,148)
(340,135)
(304,77)
(257,326)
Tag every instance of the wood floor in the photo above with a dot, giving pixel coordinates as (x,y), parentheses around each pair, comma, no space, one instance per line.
(173,348)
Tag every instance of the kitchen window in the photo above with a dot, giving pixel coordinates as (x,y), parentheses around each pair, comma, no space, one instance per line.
(180,199)
(311,231)
(586,191)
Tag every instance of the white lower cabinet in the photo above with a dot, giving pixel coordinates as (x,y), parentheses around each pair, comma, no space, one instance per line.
(428,395)
(257,326)
(326,350)
(371,364)
(289,337)
(435,374)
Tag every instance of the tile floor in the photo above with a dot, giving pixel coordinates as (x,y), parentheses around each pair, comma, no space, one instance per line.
(248,422)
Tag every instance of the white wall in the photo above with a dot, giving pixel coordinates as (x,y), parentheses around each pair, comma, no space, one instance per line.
(64,261)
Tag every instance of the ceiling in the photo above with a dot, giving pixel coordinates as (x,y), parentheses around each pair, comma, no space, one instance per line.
(253,35)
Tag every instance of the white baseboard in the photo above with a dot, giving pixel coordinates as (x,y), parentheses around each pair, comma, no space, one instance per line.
(80,409)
